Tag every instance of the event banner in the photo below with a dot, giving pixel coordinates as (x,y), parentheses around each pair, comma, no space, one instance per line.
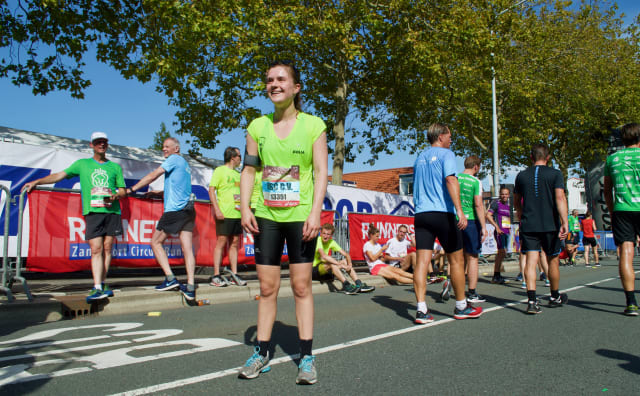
(56,235)
(387,224)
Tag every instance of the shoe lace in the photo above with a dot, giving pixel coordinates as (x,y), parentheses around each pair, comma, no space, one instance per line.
(254,359)
(306,364)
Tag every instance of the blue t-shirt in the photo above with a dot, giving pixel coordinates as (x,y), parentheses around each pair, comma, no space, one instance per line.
(430,170)
(177,183)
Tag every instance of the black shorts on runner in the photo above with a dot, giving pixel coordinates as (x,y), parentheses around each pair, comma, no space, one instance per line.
(269,243)
(176,221)
(589,241)
(228,227)
(626,226)
(547,241)
(441,225)
(102,224)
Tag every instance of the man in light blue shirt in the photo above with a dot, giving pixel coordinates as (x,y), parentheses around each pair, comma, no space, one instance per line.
(178,217)
(436,196)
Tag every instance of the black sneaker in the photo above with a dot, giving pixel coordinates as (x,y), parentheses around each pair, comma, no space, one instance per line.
(500,280)
(475,298)
(423,317)
(533,308)
(558,302)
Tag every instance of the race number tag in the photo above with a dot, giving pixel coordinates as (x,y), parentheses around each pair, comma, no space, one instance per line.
(506,222)
(98,194)
(281,186)
(236,201)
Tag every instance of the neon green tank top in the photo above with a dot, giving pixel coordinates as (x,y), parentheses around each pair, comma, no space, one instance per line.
(287,167)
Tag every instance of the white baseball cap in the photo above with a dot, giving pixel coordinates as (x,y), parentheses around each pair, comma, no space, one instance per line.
(98,135)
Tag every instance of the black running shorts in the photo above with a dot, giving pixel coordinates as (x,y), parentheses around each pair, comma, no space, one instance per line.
(102,224)
(626,226)
(269,243)
(547,241)
(441,225)
(176,221)
(589,241)
(228,227)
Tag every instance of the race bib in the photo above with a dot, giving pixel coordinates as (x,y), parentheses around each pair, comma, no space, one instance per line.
(236,201)
(281,186)
(505,222)
(98,194)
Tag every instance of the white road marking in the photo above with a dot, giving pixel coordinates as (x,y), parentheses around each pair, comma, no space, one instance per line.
(319,351)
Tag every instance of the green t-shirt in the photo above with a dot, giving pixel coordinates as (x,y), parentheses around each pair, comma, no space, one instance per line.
(624,169)
(227,184)
(470,186)
(97,181)
(574,224)
(331,245)
(287,167)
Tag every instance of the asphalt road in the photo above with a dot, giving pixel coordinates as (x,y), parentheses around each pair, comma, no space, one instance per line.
(363,343)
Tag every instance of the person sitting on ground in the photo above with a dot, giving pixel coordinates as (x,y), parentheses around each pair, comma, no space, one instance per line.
(398,254)
(373,253)
(324,264)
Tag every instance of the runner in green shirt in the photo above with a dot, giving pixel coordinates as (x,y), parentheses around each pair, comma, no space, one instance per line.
(291,148)
(573,240)
(476,231)
(101,186)
(224,192)
(622,195)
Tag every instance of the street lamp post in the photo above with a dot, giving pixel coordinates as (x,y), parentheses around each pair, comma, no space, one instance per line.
(496,160)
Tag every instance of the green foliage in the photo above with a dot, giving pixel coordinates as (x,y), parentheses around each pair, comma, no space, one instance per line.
(378,73)
(159,137)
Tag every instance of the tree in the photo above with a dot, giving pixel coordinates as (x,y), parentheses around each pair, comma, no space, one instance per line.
(377,72)
(159,137)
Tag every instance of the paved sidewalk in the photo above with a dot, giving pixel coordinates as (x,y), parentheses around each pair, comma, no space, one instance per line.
(57,298)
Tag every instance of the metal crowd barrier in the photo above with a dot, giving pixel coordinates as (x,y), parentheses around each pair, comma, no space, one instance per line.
(6,266)
(9,276)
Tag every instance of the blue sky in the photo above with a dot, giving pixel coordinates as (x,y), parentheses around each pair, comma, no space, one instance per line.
(131,112)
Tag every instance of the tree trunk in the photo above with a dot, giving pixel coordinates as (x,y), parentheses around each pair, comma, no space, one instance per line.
(342,108)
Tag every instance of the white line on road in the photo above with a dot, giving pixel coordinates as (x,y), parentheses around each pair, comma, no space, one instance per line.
(319,351)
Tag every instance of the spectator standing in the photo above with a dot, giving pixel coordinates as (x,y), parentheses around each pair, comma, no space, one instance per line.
(573,240)
(541,207)
(102,186)
(588,227)
(622,195)
(501,209)
(476,231)
(179,216)
(224,194)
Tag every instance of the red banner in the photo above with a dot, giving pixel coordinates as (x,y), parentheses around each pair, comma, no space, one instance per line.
(359,227)
(56,235)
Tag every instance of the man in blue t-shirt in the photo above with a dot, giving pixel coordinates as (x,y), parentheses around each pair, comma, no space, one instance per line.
(436,197)
(178,217)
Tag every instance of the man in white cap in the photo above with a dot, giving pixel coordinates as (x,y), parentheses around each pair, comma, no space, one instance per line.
(102,185)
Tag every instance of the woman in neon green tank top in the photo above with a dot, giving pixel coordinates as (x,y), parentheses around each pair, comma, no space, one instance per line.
(290,147)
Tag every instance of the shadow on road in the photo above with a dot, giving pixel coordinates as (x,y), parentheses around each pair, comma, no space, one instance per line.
(632,362)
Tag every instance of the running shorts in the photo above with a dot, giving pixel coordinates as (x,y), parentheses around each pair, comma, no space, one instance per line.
(102,224)
(441,225)
(269,243)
